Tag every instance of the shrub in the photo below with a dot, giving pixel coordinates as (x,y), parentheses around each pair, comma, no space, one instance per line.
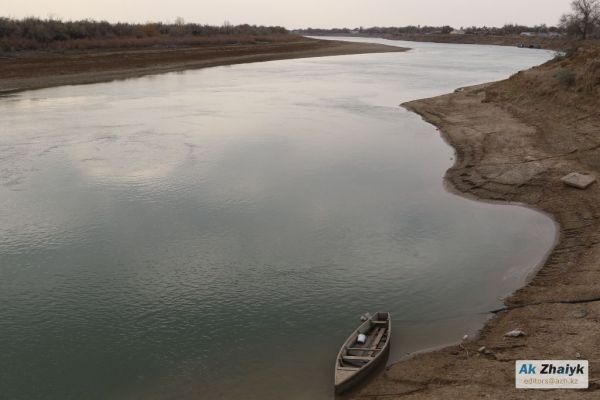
(35,33)
(565,55)
(566,76)
(151,29)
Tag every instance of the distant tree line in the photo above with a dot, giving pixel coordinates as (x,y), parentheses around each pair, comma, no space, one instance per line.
(583,22)
(509,29)
(512,29)
(36,32)
(377,30)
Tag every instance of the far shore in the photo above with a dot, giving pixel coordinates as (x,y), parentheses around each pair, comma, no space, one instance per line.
(36,70)
(548,43)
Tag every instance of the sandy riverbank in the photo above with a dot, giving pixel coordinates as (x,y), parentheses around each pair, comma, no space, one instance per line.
(514,140)
(35,70)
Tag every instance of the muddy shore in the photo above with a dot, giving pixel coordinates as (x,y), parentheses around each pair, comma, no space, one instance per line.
(35,70)
(514,140)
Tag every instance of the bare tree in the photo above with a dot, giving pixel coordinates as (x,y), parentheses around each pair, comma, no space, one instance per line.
(584,19)
(227,27)
(179,27)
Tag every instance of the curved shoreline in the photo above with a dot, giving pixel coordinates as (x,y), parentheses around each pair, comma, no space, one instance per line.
(450,187)
(504,156)
(40,70)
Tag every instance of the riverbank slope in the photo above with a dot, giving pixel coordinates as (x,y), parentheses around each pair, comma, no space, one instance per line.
(40,69)
(514,140)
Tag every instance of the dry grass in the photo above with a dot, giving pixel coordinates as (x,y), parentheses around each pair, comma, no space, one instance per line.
(585,65)
(567,81)
(20,44)
(51,34)
(590,78)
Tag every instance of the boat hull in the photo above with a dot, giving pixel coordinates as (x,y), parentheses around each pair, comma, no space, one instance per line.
(363,373)
(356,361)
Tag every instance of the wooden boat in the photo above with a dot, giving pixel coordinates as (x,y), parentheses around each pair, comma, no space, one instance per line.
(356,360)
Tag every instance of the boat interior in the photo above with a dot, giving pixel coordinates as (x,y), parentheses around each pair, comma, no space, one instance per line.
(356,353)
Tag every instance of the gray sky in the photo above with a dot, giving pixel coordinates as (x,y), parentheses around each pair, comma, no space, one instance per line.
(301,13)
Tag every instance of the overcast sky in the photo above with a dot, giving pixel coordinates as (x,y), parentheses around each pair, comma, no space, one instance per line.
(300,13)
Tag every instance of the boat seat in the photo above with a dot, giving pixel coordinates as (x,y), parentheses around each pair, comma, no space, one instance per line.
(362,348)
(357,358)
(377,340)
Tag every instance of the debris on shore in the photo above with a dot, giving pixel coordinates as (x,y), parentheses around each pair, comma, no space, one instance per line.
(515,333)
(579,181)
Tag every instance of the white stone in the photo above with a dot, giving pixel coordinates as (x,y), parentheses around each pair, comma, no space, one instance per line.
(515,333)
(579,181)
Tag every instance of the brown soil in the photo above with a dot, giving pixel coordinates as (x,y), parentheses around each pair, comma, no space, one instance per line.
(34,70)
(514,140)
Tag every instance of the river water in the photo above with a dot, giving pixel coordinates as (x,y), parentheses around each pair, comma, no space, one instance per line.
(215,234)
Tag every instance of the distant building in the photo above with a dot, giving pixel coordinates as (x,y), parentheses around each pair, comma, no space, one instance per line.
(457,32)
(542,34)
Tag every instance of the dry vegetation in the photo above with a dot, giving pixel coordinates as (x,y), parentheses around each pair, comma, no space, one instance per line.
(14,45)
(508,29)
(569,83)
(50,34)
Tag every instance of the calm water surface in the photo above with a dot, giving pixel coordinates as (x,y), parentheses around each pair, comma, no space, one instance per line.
(215,234)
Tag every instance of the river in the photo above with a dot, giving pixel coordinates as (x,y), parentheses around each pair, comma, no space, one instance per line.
(217,233)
